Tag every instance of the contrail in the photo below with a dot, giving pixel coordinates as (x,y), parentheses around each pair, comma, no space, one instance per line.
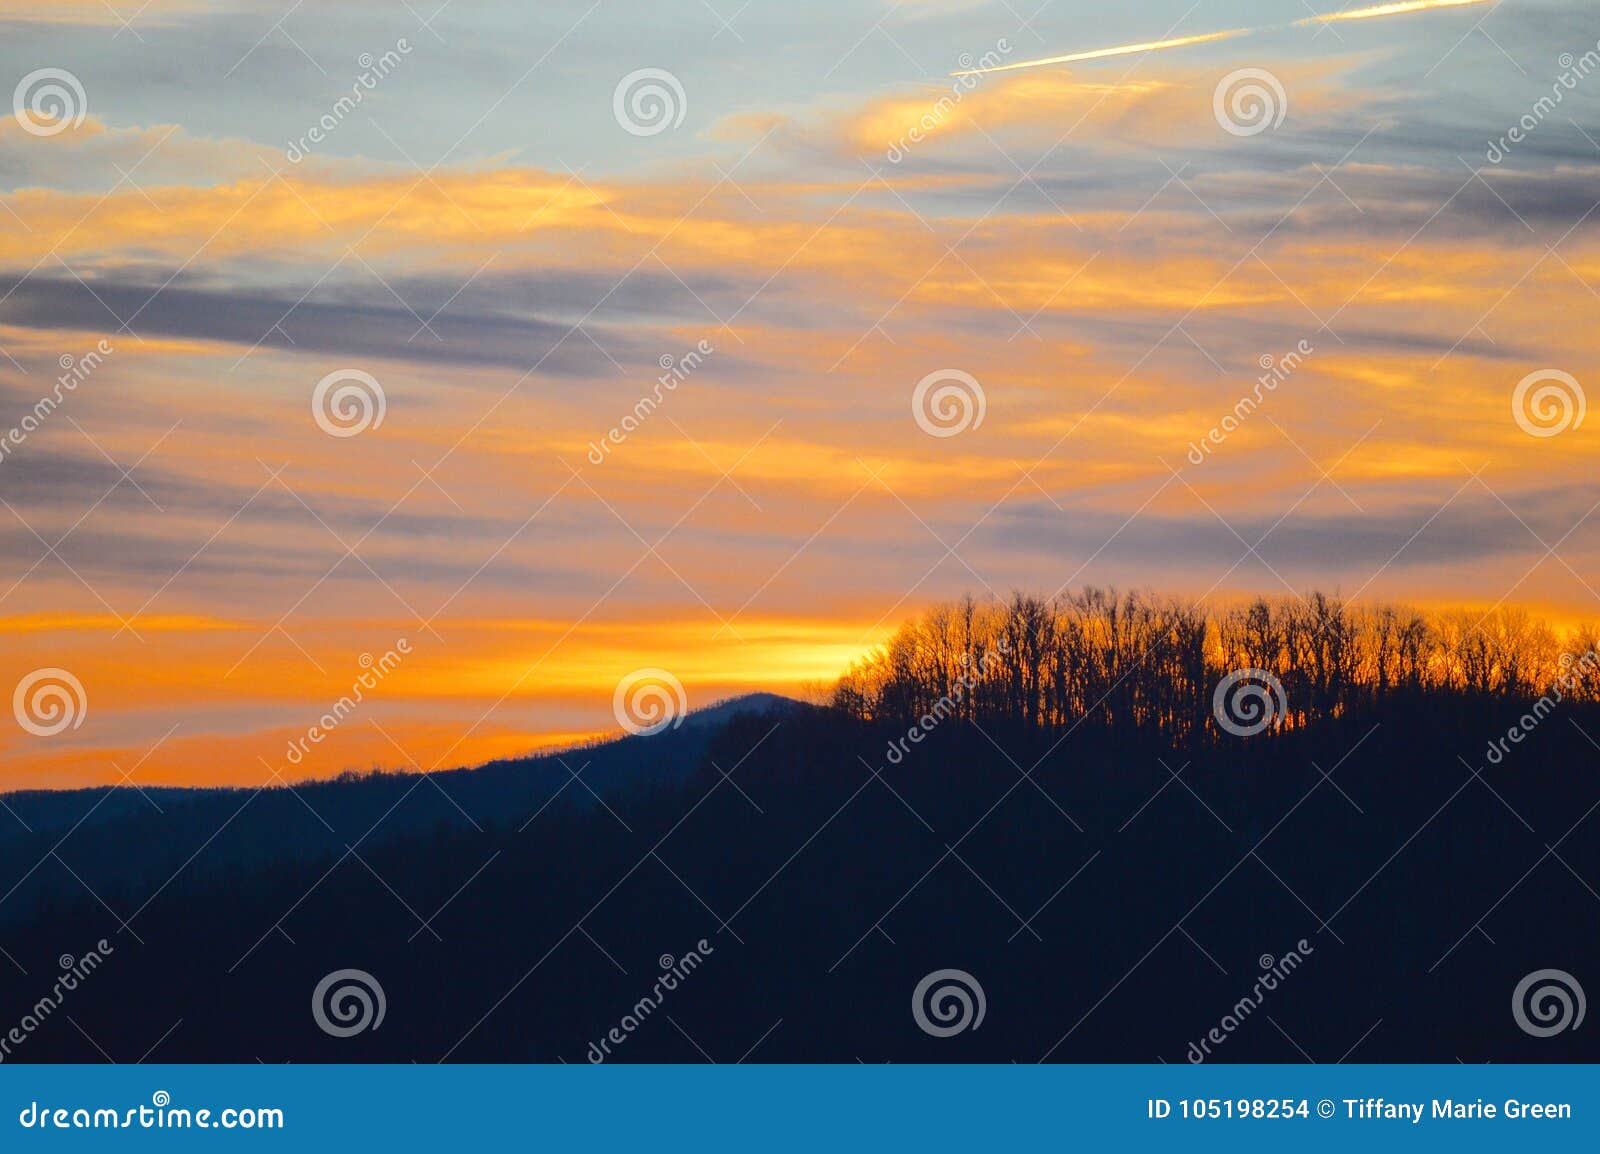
(1124,50)
(1402,8)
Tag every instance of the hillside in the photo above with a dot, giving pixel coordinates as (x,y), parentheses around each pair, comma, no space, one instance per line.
(1114,896)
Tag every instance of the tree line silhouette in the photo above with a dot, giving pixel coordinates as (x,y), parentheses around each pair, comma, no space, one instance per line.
(1153,662)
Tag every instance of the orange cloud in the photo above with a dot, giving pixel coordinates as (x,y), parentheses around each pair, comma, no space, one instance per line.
(1121,112)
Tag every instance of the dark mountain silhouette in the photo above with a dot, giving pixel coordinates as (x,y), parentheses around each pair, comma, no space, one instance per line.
(1115,868)
(122,840)
(720,712)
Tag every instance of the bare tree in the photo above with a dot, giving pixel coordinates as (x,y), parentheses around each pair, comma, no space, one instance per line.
(1138,660)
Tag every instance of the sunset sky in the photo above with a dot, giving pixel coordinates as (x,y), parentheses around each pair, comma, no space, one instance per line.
(512,248)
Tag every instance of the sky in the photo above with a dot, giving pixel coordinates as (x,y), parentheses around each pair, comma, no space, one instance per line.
(504,355)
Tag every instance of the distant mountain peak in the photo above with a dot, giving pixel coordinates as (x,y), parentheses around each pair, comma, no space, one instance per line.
(719,712)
